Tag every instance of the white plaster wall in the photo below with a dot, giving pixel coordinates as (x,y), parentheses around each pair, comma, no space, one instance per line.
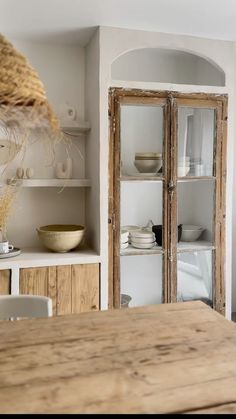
(62,70)
(155,65)
(115,42)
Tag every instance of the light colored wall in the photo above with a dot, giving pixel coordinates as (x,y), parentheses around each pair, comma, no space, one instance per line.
(157,65)
(62,70)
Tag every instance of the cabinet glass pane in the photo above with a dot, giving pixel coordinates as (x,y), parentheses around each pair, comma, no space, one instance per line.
(196,211)
(141,131)
(141,279)
(196,133)
(195,276)
(141,206)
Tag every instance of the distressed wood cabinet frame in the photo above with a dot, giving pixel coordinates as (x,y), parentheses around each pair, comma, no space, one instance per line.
(170,102)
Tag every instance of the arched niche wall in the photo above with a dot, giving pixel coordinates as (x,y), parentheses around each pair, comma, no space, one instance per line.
(166,66)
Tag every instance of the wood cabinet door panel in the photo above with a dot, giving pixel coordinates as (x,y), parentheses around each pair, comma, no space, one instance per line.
(85,288)
(72,288)
(5,282)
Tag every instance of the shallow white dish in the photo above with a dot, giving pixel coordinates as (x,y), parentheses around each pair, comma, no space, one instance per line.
(144,246)
(191,233)
(124,245)
(11,253)
(142,239)
(130,228)
(142,234)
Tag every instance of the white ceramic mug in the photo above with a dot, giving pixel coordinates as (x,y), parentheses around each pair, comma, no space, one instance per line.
(5,247)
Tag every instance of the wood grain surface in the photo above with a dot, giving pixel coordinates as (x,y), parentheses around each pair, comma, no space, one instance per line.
(168,358)
(72,288)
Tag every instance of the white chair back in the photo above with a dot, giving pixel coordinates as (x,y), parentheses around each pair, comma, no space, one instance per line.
(17,306)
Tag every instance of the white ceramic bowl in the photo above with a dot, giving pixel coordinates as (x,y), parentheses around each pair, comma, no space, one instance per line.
(190,233)
(61,237)
(183,170)
(148,166)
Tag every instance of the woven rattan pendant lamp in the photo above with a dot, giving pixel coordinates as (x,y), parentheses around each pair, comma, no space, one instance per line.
(23,102)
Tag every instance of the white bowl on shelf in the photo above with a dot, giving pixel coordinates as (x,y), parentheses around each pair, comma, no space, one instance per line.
(148,165)
(183,170)
(191,233)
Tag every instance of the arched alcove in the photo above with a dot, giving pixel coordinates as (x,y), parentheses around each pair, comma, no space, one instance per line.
(166,66)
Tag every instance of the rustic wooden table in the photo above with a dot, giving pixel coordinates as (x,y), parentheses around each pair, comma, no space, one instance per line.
(156,359)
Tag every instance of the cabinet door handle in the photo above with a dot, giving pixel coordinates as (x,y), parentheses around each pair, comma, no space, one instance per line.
(171,187)
(94,307)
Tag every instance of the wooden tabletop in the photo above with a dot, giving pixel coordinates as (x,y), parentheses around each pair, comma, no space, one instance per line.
(156,359)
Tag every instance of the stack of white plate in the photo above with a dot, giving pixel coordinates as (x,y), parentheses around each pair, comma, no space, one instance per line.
(143,239)
(124,237)
(130,228)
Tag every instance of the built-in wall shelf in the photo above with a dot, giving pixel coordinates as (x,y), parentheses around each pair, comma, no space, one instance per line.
(33,183)
(134,178)
(132,251)
(194,178)
(75,127)
(33,257)
(195,246)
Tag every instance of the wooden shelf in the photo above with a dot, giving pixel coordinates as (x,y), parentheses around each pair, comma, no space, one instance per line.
(132,251)
(198,245)
(75,127)
(127,178)
(33,257)
(193,178)
(34,183)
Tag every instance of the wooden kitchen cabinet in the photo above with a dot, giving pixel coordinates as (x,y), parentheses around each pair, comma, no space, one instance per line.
(5,281)
(72,288)
(188,191)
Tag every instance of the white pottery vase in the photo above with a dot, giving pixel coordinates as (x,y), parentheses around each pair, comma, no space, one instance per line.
(64,170)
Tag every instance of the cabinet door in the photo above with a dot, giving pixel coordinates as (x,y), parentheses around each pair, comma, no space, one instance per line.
(5,282)
(199,177)
(139,198)
(72,288)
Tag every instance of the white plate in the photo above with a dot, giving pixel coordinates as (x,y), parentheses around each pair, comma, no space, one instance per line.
(11,253)
(144,246)
(124,245)
(143,240)
(131,228)
(142,234)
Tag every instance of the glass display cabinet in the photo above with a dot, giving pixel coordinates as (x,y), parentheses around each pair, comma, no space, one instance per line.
(167,197)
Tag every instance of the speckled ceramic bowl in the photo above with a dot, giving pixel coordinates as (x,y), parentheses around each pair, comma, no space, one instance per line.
(61,237)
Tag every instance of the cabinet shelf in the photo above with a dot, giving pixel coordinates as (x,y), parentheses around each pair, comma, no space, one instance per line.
(143,178)
(132,251)
(33,183)
(196,246)
(75,127)
(195,178)
(33,257)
